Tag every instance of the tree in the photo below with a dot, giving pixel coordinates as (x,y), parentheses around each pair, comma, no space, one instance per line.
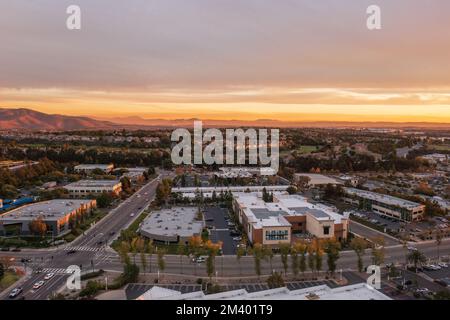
(378,251)
(284,250)
(212,249)
(240,252)
(150,250)
(311,259)
(359,245)
(38,226)
(2,271)
(161,261)
(163,191)
(416,258)
(275,281)
(104,200)
(438,242)
(301,248)
(258,254)
(331,248)
(294,261)
(181,250)
(319,258)
(123,251)
(268,254)
(142,251)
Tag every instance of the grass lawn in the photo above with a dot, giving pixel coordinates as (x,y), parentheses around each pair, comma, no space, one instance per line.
(439,147)
(302,150)
(8,279)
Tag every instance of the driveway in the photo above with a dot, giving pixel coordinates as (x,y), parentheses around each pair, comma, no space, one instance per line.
(216,218)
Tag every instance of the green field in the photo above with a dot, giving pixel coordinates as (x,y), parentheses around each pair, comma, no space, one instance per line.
(302,150)
(439,147)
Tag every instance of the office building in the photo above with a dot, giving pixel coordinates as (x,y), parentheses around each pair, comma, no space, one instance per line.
(55,214)
(385,205)
(84,188)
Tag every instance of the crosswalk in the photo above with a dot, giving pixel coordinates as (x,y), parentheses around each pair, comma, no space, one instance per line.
(54,270)
(84,248)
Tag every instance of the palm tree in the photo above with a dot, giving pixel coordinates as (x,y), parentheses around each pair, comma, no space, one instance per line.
(180,251)
(332,248)
(417,258)
(150,251)
(268,254)
(438,242)
(142,250)
(240,252)
(359,246)
(284,250)
(161,261)
(258,254)
(294,261)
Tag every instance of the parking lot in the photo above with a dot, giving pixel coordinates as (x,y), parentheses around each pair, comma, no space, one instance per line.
(216,220)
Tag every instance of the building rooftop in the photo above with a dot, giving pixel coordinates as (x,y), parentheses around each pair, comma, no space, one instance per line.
(390,200)
(93,184)
(318,179)
(49,210)
(93,166)
(360,291)
(178,221)
(268,214)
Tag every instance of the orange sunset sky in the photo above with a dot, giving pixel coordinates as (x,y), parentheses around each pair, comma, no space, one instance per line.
(296,60)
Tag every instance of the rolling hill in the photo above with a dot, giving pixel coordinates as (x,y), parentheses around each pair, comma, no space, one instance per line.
(26,119)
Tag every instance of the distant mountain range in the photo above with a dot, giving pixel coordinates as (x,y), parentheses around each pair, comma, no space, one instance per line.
(26,119)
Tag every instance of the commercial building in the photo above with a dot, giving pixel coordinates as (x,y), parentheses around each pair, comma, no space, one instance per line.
(244,172)
(315,179)
(360,291)
(273,223)
(84,188)
(54,213)
(175,225)
(88,168)
(134,174)
(385,205)
(436,157)
(190,192)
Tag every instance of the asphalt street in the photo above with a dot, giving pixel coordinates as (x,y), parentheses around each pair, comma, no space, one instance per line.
(89,250)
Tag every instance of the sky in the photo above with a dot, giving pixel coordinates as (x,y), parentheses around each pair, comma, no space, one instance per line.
(221,59)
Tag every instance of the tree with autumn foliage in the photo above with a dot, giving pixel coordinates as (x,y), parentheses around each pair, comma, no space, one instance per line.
(213,250)
(331,248)
(38,226)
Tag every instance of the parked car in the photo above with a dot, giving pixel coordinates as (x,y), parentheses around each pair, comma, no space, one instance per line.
(71,252)
(442,265)
(16,250)
(199,259)
(5,249)
(237,238)
(410,248)
(14,293)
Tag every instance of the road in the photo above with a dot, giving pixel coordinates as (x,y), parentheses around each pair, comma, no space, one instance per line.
(229,266)
(368,233)
(89,253)
(89,250)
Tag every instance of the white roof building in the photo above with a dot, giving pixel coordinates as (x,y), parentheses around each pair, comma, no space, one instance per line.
(360,291)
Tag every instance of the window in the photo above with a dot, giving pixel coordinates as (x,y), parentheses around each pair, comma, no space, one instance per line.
(276,235)
(326,230)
